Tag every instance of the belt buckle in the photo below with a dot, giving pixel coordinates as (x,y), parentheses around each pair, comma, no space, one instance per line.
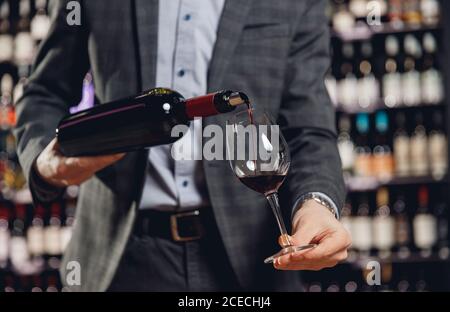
(174,226)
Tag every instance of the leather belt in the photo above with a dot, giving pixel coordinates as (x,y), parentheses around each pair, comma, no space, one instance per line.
(182,226)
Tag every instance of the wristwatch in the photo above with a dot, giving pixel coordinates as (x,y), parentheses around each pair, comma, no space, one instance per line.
(320,199)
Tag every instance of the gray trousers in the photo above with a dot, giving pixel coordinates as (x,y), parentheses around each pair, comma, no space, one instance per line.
(158,264)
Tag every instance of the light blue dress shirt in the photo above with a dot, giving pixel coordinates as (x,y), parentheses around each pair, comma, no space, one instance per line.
(186,37)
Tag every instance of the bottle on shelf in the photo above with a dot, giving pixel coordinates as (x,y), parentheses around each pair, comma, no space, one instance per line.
(67,226)
(4,235)
(368,87)
(424,224)
(412,13)
(343,20)
(383,162)
(362,228)
(7,111)
(383,224)
(6,38)
(142,121)
(363,153)
(52,232)
(431,78)
(401,147)
(438,147)
(392,79)
(430,11)
(345,144)
(411,83)
(40,24)
(18,246)
(24,45)
(441,213)
(35,233)
(402,227)
(395,13)
(419,164)
(348,83)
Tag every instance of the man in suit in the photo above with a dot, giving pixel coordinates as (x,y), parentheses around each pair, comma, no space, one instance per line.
(124,236)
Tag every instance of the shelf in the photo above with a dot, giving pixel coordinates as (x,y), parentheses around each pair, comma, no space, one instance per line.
(361,262)
(382,106)
(366,184)
(366,32)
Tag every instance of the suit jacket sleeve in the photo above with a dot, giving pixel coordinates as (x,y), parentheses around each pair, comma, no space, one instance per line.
(307,117)
(54,86)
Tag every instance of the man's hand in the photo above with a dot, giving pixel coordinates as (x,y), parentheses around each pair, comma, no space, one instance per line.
(315,224)
(62,171)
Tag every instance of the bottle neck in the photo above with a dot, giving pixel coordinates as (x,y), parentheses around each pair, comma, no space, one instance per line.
(214,103)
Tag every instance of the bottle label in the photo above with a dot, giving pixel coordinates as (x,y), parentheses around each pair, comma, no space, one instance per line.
(438,154)
(6,48)
(363,164)
(401,154)
(35,237)
(432,87)
(383,232)
(19,251)
(392,89)
(425,235)
(4,245)
(347,152)
(411,88)
(52,236)
(362,233)
(419,159)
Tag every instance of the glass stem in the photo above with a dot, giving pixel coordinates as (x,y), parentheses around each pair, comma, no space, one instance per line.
(274,203)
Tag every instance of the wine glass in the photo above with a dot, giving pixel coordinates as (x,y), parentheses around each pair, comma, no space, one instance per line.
(259,157)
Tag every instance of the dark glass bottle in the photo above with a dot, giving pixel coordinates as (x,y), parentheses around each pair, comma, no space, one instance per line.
(142,121)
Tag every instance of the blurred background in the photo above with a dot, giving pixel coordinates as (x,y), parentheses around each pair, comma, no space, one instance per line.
(388,80)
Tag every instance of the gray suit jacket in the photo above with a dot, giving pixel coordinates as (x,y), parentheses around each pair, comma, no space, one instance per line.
(275,51)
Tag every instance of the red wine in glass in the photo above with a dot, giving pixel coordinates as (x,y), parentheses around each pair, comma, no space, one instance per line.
(264,175)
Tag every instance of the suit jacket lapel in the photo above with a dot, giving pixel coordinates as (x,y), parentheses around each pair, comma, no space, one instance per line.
(230,27)
(147,37)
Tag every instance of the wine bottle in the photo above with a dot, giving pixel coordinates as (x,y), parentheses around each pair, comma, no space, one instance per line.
(419,148)
(66,229)
(4,235)
(348,83)
(6,39)
(430,10)
(424,224)
(383,224)
(19,250)
(411,13)
(392,80)
(431,78)
(363,152)
(52,232)
(411,84)
(7,112)
(441,213)
(362,228)
(345,144)
(142,121)
(383,162)
(24,42)
(401,147)
(438,147)
(40,24)
(368,86)
(402,227)
(395,13)
(35,233)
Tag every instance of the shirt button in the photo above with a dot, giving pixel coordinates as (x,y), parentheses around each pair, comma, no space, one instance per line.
(187,17)
(181,73)
(185,183)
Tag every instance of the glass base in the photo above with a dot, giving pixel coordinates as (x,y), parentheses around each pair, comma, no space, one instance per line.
(288,250)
